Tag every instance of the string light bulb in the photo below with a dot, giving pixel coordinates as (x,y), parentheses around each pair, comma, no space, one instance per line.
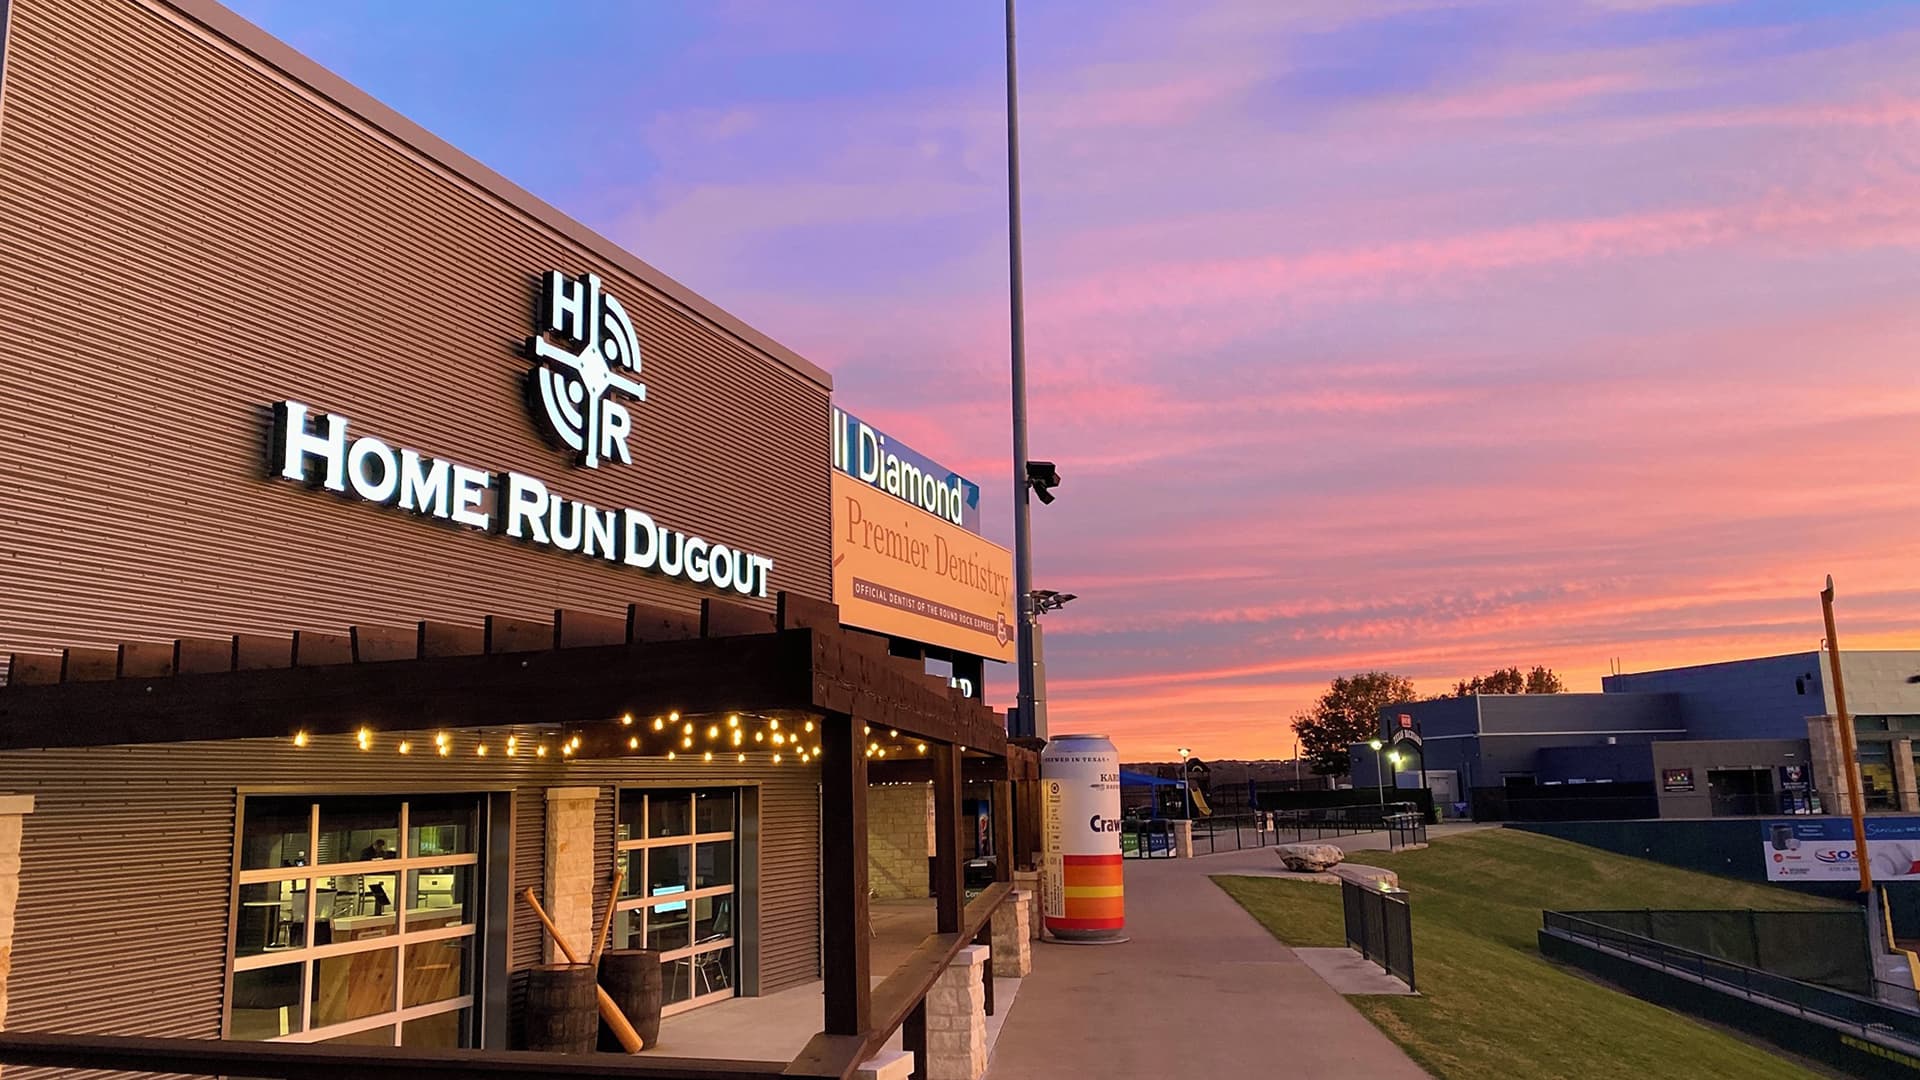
(809,725)
(300,738)
(713,731)
(895,733)
(688,730)
(633,743)
(923,748)
(540,751)
(709,756)
(774,723)
(659,724)
(513,745)
(734,720)
(481,750)
(440,739)
(686,742)
(673,717)
(779,739)
(364,738)
(445,749)
(737,736)
(742,757)
(626,720)
(758,736)
(671,755)
(406,747)
(776,759)
(866,729)
(575,743)
(567,750)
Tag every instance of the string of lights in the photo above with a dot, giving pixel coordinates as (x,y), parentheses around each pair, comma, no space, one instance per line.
(668,736)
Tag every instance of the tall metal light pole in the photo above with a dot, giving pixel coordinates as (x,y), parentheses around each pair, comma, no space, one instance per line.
(1186,782)
(1379,770)
(1022,493)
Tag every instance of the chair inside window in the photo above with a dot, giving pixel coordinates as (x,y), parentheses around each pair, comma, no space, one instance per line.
(709,967)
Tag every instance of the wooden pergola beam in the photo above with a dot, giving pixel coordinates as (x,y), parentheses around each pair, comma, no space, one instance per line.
(584,685)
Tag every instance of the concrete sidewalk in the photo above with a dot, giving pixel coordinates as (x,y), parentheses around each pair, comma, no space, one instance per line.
(1201,986)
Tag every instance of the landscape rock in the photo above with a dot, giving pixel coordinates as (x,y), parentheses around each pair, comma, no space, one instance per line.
(1368,876)
(1310,858)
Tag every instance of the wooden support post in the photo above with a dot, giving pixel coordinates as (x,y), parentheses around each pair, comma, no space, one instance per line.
(1026,832)
(1003,830)
(844,932)
(913,1038)
(985,937)
(949,881)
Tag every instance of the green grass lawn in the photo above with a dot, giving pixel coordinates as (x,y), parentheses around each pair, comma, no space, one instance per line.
(1490,1005)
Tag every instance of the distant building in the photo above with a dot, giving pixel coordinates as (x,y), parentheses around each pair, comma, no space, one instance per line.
(1740,737)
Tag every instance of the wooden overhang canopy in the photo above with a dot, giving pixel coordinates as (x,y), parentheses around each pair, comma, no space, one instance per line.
(581,672)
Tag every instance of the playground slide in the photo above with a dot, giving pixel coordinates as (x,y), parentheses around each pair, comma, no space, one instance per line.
(1199,800)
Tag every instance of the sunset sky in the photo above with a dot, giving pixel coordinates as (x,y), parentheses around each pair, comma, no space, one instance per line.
(1366,333)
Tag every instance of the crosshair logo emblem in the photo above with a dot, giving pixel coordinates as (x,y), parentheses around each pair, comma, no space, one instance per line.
(584,350)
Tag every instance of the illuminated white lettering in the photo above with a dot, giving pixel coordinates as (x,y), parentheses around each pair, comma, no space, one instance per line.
(294,445)
(368,451)
(524,517)
(424,489)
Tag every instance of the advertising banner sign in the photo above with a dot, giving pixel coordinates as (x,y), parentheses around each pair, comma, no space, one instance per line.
(900,571)
(1821,849)
(1676,780)
(868,455)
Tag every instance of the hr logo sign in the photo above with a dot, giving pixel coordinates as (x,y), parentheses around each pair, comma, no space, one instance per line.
(584,349)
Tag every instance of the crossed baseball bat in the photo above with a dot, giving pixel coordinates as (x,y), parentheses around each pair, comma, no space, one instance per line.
(616,1020)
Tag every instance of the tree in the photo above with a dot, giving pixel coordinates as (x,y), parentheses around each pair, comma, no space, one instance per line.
(1348,713)
(1541,680)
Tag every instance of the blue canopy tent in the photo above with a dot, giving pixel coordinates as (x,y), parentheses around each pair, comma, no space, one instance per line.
(1130,779)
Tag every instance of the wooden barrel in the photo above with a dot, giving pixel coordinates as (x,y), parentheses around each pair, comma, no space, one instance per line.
(563,1009)
(632,979)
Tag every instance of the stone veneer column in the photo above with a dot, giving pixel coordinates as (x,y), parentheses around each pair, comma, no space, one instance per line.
(1026,883)
(1013,938)
(13,811)
(1829,778)
(1183,838)
(899,838)
(957,1018)
(570,876)
(1903,781)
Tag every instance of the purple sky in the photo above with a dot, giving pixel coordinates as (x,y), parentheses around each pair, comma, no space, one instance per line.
(1365,333)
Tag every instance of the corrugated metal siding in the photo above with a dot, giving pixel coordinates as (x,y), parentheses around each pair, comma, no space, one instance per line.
(527,946)
(194,238)
(126,867)
(789,881)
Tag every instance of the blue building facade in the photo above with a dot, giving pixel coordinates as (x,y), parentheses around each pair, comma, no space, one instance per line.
(1706,739)
(1765,698)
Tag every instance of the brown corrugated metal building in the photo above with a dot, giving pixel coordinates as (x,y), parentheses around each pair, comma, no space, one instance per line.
(196,224)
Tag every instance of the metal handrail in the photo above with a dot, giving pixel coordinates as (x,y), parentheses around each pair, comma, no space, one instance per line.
(1888,1021)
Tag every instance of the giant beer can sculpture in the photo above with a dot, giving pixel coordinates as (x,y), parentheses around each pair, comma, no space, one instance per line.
(1081,891)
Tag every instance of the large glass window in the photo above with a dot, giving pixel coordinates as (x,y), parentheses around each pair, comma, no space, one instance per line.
(678,848)
(345,933)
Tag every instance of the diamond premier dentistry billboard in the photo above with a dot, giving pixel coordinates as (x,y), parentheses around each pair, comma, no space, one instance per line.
(902,571)
(1821,849)
(865,453)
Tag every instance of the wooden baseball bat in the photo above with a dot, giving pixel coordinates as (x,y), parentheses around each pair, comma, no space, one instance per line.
(606,924)
(610,1012)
